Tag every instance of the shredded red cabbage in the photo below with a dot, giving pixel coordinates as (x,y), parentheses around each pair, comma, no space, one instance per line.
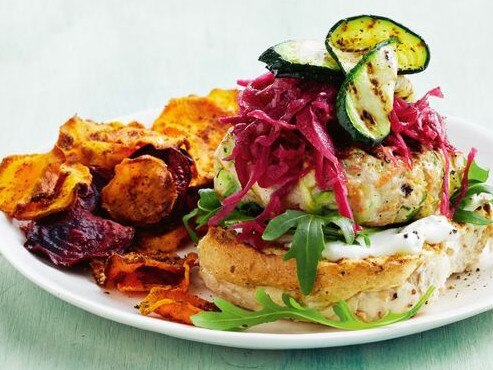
(419,123)
(282,132)
(282,123)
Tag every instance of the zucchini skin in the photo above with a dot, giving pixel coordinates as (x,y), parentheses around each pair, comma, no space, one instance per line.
(283,68)
(377,17)
(341,108)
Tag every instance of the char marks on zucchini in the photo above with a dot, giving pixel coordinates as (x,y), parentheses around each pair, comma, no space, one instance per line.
(351,38)
(365,99)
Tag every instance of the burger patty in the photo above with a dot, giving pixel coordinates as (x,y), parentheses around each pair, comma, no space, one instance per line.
(380,192)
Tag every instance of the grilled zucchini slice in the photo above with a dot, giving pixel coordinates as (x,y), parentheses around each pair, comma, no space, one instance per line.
(366,97)
(351,38)
(302,59)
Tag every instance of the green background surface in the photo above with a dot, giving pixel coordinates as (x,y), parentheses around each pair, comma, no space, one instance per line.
(38,331)
(107,58)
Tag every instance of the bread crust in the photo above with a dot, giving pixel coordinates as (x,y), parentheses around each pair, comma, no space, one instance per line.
(238,263)
(234,270)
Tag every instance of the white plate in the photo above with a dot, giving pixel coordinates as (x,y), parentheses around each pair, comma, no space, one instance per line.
(470,295)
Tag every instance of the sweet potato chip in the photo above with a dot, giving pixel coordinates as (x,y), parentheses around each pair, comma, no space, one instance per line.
(36,185)
(169,241)
(142,192)
(196,120)
(106,144)
(135,272)
(174,304)
(226,99)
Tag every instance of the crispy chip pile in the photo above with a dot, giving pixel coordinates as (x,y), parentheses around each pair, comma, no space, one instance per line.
(196,120)
(36,185)
(102,184)
(106,144)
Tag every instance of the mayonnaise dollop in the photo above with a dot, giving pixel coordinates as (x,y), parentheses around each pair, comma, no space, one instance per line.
(398,241)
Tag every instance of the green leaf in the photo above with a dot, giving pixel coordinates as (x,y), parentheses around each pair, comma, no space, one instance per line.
(345,225)
(235,217)
(479,188)
(306,248)
(281,224)
(470,217)
(477,174)
(465,211)
(310,233)
(365,235)
(208,205)
(186,222)
(209,201)
(235,318)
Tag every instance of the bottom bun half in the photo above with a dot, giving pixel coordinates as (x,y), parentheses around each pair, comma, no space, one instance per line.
(372,287)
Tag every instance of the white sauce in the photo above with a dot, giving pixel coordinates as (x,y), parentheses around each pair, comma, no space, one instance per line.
(398,241)
(478,200)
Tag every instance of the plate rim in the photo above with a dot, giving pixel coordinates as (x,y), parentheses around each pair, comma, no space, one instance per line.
(252,340)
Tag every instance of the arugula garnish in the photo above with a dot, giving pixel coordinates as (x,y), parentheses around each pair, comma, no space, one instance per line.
(186,222)
(465,212)
(477,174)
(207,206)
(470,217)
(310,234)
(235,318)
(363,238)
(306,248)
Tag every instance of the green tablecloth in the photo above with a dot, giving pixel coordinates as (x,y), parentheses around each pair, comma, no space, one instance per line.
(39,331)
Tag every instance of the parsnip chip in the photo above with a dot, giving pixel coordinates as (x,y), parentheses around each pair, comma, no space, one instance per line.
(135,272)
(196,120)
(142,192)
(174,304)
(36,185)
(169,241)
(106,144)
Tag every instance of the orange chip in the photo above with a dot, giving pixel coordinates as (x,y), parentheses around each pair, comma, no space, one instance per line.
(226,99)
(142,192)
(169,241)
(196,120)
(135,272)
(106,144)
(174,304)
(36,185)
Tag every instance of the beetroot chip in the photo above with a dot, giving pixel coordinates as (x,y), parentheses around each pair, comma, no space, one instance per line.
(77,235)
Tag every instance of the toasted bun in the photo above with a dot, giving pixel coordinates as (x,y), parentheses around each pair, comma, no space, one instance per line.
(372,287)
